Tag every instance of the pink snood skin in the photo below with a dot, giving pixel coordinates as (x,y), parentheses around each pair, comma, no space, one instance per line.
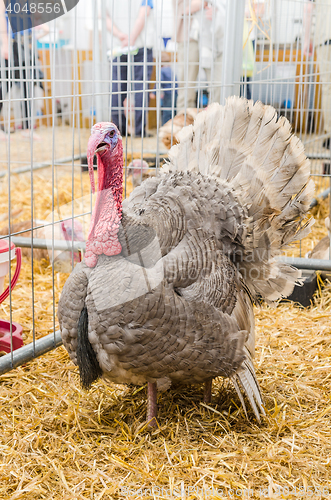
(107,212)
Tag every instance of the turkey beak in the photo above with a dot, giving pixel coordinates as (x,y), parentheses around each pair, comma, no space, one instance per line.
(94,140)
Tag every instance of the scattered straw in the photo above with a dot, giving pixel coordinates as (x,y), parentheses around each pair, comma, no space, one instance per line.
(58,441)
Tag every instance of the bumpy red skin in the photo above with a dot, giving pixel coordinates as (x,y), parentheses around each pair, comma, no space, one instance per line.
(107,212)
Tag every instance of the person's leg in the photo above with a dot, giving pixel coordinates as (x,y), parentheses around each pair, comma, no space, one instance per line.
(249,91)
(215,80)
(4,82)
(4,87)
(166,104)
(26,103)
(324,62)
(142,75)
(209,84)
(20,54)
(138,96)
(245,88)
(150,61)
(187,71)
(119,89)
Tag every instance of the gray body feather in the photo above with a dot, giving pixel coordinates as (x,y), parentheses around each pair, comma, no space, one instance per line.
(199,242)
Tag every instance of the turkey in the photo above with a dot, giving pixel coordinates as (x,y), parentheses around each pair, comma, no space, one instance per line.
(322,249)
(137,171)
(166,289)
(168,133)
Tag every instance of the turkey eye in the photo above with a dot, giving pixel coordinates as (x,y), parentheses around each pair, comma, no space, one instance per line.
(112,133)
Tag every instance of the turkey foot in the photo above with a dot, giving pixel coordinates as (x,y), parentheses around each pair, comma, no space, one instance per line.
(151,404)
(207,391)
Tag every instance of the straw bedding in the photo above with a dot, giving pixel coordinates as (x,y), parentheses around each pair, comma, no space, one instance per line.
(60,442)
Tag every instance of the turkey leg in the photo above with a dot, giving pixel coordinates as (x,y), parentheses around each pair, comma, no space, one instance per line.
(151,404)
(207,391)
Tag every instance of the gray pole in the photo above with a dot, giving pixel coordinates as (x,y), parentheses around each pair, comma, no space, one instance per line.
(233,49)
(29,352)
(303,263)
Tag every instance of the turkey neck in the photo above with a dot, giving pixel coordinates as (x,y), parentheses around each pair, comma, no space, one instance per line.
(110,174)
(107,212)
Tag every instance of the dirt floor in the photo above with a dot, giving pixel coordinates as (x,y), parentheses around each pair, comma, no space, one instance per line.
(58,441)
(48,146)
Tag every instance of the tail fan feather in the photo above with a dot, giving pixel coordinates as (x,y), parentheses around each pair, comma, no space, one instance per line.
(246,377)
(251,149)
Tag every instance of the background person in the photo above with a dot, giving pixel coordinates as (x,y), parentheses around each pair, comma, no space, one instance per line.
(199,30)
(131,24)
(19,52)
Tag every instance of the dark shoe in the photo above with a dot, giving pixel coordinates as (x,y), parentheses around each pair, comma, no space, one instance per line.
(326,143)
(326,168)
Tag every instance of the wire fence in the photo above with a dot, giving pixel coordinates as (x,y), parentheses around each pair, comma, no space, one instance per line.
(90,65)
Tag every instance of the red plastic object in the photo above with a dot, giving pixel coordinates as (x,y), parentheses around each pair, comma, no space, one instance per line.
(5,335)
(5,294)
(6,339)
(4,246)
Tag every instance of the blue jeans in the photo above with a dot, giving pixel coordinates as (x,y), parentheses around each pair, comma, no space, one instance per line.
(120,89)
(166,102)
